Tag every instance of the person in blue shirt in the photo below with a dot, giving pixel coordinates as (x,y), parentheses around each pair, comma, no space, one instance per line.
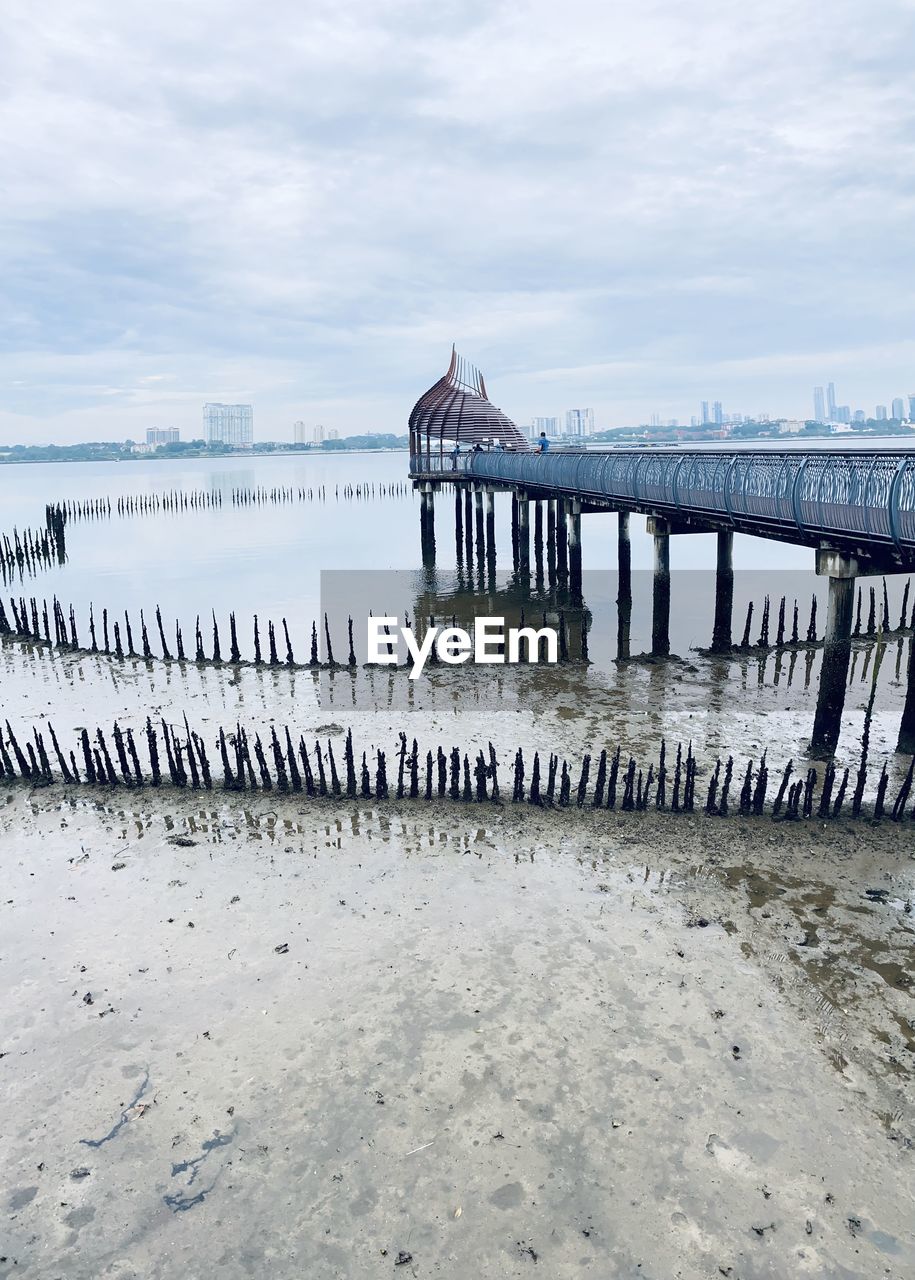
(544,443)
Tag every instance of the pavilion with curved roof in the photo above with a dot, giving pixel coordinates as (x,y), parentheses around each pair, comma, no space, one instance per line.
(456,409)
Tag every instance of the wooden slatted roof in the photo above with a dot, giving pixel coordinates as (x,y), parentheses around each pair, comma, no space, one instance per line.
(457,409)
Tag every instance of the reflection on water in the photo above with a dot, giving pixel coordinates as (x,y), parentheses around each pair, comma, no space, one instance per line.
(267,559)
(265,562)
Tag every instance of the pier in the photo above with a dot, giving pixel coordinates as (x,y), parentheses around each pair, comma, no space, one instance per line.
(855,510)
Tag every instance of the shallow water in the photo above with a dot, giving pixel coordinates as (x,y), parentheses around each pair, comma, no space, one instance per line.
(267,560)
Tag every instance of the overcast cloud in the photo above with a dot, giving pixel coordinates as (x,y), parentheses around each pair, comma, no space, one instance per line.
(301,205)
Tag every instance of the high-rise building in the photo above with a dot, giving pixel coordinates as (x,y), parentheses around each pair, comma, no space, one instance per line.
(881,413)
(831,402)
(819,405)
(717,413)
(231,424)
(843,413)
(898,408)
(705,416)
(170,435)
(860,416)
(580,422)
(333,433)
(550,426)
(912,407)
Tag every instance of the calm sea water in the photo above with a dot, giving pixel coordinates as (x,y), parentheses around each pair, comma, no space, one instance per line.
(267,559)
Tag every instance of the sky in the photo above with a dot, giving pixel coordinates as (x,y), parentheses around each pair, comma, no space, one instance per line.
(302,205)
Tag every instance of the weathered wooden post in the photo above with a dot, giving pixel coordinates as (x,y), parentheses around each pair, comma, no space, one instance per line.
(841,570)
(745,641)
(234,654)
(165,650)
(147,651)
(780,632)
(724,593)
(660,616)
(906,741)
(131,653)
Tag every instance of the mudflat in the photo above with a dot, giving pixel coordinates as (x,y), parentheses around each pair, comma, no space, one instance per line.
(292,1038)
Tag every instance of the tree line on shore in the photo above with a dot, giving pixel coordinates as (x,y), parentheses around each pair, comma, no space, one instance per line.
(121,451)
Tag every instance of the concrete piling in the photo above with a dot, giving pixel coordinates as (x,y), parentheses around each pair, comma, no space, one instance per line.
(836,653)
(660,616)
(624,587)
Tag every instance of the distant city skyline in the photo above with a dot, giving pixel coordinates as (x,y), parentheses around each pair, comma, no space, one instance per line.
(827,410)
(305,433)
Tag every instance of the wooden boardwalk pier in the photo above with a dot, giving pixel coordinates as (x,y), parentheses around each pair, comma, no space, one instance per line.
(855,509)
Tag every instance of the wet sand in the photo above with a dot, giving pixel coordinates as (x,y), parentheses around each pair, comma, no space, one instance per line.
(278,1038)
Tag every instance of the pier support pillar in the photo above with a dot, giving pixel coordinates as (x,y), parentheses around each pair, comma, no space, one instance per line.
(514,500)
(906,743)
(660,615)
(836,654)
(551,540)
(524,533)
(489,511)
(458,515)
(480,538)
(573,533)
(468,526)
(427,522)
(624,587)
(724,593)
(562,541)
(538,540)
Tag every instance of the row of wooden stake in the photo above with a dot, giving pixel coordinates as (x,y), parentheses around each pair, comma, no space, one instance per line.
(247,763)
(31,550)
(191,499)
(878,621)
(33,621)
